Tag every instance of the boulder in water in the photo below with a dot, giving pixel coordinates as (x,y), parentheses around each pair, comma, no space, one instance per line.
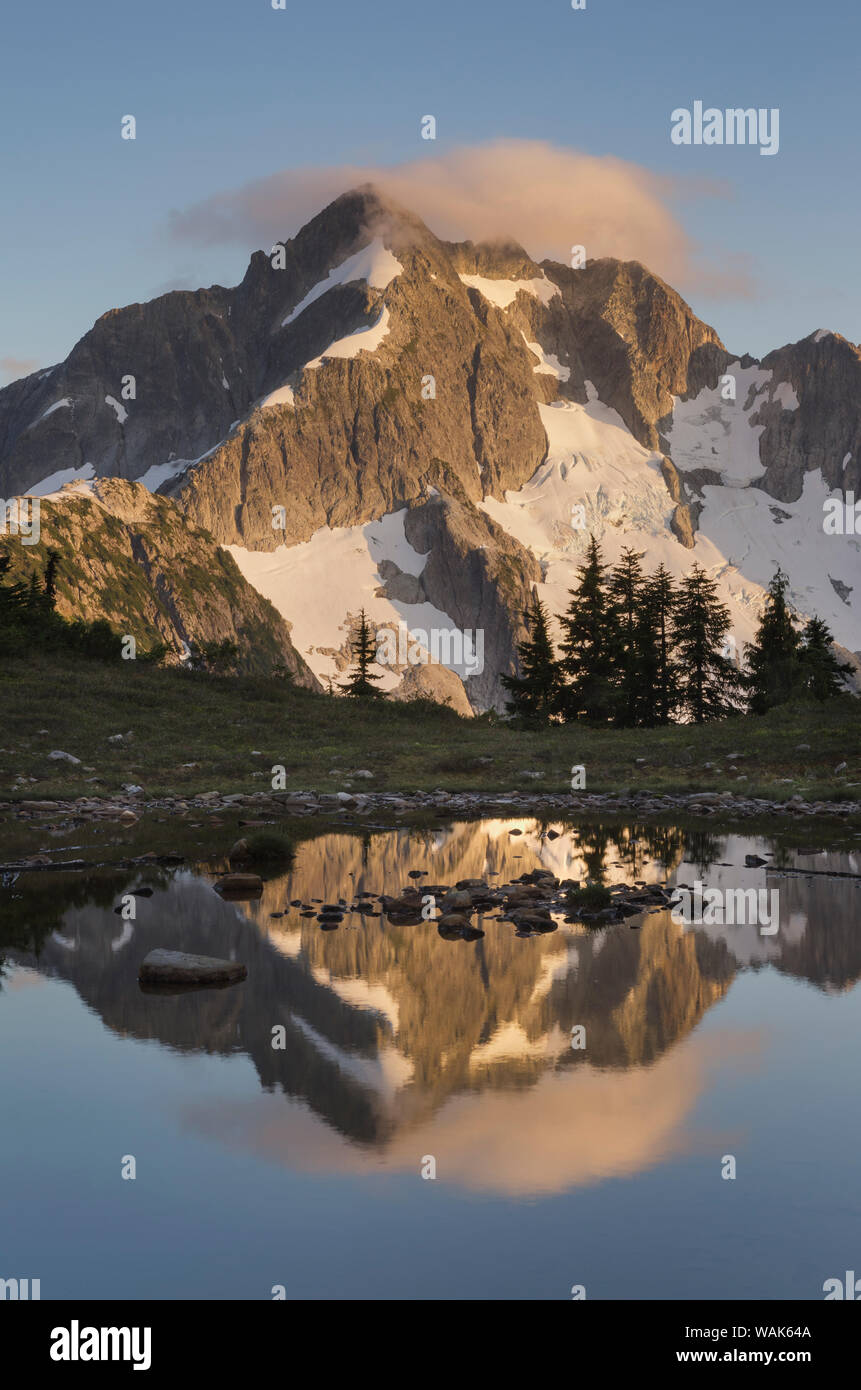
(163,967)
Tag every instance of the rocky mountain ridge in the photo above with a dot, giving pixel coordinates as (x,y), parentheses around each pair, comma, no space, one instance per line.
(367,370)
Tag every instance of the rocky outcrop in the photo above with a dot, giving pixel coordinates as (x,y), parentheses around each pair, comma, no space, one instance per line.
(253,402)
(136,561)
(481,577)
(823,431)
(433,682)
(363,435)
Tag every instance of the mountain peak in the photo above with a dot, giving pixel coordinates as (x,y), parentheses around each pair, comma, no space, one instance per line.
(363,212)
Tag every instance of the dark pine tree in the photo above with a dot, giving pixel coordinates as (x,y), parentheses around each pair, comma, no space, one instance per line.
(656,646)
(821,672)
(13,609)
(773,670)
(535,692)
(364,655)
(707,681)
(626,592)
(51,576)
(588,645)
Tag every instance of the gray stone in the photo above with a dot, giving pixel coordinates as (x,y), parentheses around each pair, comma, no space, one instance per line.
(177,967)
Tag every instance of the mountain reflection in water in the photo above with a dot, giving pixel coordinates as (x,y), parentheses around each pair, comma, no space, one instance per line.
(400,1043)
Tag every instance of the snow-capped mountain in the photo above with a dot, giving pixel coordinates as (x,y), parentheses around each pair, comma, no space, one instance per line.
(375,417)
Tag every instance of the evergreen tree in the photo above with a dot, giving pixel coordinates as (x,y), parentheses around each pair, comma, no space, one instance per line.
(631,640)
(35,595)
(535,693)
(364,654)
(588,645)
(51,576)
(13,598)
(773,670)
(821,672)
(707,681)
(656,645)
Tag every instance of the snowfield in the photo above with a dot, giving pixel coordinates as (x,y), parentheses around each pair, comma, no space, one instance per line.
(315,585)
(594,463)
(503,293)
(374,264)
(365,339)
(709,432)
(51,485)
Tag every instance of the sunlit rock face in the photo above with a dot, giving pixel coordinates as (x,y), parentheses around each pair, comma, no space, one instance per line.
(368,368)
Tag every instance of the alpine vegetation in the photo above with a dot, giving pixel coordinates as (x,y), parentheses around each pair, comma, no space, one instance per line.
(639,650)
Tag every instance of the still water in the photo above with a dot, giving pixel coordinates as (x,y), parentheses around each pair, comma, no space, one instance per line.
(302,1167)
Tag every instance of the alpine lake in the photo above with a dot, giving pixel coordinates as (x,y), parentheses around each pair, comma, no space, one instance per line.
(388,1108)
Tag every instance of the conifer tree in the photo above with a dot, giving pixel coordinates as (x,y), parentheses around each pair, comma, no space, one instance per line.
(631,637)
(364,655)
(773,671)
(821,671)
(535,693)
(51,576)
(13,600)
(588,645)
(656,644)
(707,681)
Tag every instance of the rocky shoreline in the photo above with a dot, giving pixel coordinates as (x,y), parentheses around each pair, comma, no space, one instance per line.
(355,805)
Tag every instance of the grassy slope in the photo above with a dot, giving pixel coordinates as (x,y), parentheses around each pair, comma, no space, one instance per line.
(179,718)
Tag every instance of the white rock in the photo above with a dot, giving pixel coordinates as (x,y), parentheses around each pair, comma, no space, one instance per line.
(60,757)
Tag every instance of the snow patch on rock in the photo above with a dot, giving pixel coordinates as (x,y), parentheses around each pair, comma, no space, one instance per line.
(374,264)
(51,485)
(365,339)
(503,293)
(710,432)
(548,363)
(283,396)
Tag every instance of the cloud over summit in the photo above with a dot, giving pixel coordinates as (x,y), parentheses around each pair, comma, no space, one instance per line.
(547,198)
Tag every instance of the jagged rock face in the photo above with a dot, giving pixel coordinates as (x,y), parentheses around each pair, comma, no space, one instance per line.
(824,371)
(481,577)
(360,439)
(177,348)
(134,560)
(369,365)
(622,328)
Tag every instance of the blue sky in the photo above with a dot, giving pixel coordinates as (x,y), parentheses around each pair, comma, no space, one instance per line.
(229,91)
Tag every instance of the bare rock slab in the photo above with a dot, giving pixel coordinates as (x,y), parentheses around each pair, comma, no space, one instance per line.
(238,886)
(163,967)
